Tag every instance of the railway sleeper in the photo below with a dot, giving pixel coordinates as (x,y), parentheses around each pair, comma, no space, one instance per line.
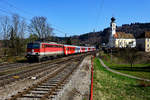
(41,89)
(52,85)
(52,81)
(30,97)
(44,86)
(47,85)
(35,92)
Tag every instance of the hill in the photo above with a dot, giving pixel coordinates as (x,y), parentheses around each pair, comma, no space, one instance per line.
(96,38)
(136,29)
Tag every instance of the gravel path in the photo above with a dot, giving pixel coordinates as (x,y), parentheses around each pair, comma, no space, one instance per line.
(78,88)
(130,76)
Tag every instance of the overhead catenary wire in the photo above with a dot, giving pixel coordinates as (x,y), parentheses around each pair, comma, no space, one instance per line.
(99,14)
(12,6)
(10,13)
(55,27)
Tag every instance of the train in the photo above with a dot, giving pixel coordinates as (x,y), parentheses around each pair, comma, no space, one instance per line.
(40,50)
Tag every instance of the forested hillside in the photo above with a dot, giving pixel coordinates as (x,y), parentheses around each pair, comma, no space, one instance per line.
(94,38)
(134,28)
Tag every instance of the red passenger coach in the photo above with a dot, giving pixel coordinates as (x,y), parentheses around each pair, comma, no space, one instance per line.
(82,49)
(69,49)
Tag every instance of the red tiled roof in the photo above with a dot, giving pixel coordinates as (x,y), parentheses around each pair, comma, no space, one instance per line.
(147,34)
(123,35)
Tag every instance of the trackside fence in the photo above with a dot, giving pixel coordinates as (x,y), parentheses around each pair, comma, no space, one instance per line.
(92,69)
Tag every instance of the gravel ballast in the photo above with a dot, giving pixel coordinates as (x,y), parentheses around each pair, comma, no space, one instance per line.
(78,87)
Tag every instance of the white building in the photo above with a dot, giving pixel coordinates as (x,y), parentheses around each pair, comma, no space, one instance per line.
(120,39)
(143,42)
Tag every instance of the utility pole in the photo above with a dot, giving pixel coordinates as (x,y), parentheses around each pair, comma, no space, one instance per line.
(65,38)
(65,35)
(111,55)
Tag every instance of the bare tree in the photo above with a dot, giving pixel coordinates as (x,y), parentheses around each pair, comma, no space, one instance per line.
(5,25)
(48,33)
(32,38)
(17,34)
(13,30)
(130,55)
(40,26)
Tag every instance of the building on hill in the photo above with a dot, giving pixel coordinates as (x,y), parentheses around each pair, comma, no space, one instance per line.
(143,42)
(123,40)
(120,39)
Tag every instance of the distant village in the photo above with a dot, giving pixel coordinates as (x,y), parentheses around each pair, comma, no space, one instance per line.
(125,40)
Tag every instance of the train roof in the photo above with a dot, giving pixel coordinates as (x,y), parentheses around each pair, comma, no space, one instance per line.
(47,42)
(80,46)
(65,44)
(71,45)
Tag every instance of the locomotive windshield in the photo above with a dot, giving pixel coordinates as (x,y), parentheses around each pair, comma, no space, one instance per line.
(33,45)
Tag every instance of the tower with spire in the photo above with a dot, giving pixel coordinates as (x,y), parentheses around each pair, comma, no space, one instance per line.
(112,33)
(113,26)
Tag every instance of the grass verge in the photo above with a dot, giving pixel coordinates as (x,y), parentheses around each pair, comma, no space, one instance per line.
(110,86)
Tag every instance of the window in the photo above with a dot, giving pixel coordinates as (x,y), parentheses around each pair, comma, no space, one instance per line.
(77,48)
(33,45)
(53,46)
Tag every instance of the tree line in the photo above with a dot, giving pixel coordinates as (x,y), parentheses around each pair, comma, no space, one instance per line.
(14,30)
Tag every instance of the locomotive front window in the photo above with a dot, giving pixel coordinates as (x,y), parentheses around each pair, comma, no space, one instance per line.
(33,45)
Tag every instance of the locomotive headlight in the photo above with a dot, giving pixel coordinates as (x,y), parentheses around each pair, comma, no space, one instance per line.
(32,50)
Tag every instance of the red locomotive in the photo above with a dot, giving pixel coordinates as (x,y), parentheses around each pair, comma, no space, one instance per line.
(39,50)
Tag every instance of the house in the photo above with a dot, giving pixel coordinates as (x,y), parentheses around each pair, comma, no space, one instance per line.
(143,42)
(123,40)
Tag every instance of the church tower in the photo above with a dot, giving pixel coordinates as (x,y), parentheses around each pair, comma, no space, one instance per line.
(112,33)
(113,26)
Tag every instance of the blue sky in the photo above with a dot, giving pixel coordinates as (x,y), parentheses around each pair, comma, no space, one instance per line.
(76,17)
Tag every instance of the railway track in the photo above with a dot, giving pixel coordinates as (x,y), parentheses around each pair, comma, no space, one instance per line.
(5,63)
(33,70)
(54,79)
(11,66)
